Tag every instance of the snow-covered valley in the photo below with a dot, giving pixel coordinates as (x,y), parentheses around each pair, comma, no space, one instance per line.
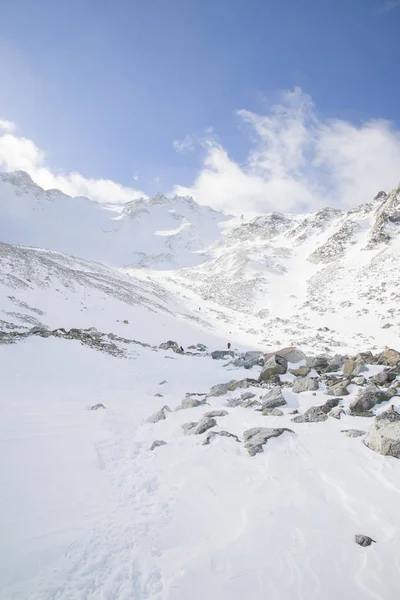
(263,497)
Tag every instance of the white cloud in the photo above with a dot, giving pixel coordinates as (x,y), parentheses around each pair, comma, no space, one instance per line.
(19,153)
(389,5)
(7,126)
(184,145)
(299,162)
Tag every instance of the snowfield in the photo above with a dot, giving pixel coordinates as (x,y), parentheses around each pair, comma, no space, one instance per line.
(90,507)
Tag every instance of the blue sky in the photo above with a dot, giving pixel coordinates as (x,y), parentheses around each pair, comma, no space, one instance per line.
(104,88)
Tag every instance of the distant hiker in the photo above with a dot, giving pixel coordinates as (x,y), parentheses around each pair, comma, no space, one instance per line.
(229,345)
(181,349)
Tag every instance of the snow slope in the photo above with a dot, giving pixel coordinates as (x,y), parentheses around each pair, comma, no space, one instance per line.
(89,512)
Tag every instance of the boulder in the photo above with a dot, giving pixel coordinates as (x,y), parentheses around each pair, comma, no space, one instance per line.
(359,368)
(211,435)
(349,366)
(292,354)
(216,413)
(359,380)
(337,412)
(223,388)
(367,398)
(305,384)
(272,412)
(192,402)
(200,427)
(159,416)
(384,434)
(97,406)
(329,405)
(338,389)
(163,382)
(273,399)
(221,354)
(247,396)
(312,415)
(300,372)
(170,345)
(363,540)
(319,363)
(364,357)
(353,433)
(275,365)
(389,357)
(257,437)
(384,378)
(157,443)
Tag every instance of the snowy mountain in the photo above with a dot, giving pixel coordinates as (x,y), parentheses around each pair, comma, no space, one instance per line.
(133,470)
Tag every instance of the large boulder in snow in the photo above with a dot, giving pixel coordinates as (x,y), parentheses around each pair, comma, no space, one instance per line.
(256,437)
(221,354)
(273,399)
(386,377)
(305,384)
(275,365)
(170,345)
(212,434)
(319,363)
(389,357)
(223,388)
(292,354)
(338,389)
(367,398)
(192,402)
(312,415)
(200,427)
(159,415)
(384,434)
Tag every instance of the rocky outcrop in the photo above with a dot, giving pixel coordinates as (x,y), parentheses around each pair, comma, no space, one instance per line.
(257,437)
(157,443)
(329,405)
(292,354)
(275,365)
(338,389)
(171,345)
(221,354)
(384,434)
(192,402)
(312,415)
(160,415)
(300,372)
(223,388)
(305,384)
(212,434)
(363,540)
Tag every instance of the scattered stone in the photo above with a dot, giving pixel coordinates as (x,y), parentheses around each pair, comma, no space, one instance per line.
(319,363)
(338,389)
(273,399)
(256,437)
(329,405)
(221,354)
(363,540)
(247,396)
(384,434)
(359,380)
(360,368)
(159,415)
(274,412)
(163,382)
(223,388)
(337,412)
(367,398)
(211,434)
(384,378)
(171,345)
(250,403)
(158,395)
(126,322)
(300,372)
(202,426)
(97,406)
(275,365)
(353,433)
(157,443)
(305,384)
(192,402)
(349,366)
(216,413)
(312,415)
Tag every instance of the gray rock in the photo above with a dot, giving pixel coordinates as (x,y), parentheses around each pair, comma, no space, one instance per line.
(359,380)
(329,404)
(223,388)
(97,406)
(363,540)
(349,366)
(338,389)
(291,353)
(159,415)
(317,362)
(337,412)
(221,354)
(367,398)
(360,368)
(384,434)
(163,382)
(192,402)
(250,403)
(386,377)
(273,399)
(216,413)
(353,433)
(305,384)
(170,345)
(389,357)
(312,415)
(247,396)
(275,365)
(200,427)
(211,434)
(272,412)
(257,437)
(157,443)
